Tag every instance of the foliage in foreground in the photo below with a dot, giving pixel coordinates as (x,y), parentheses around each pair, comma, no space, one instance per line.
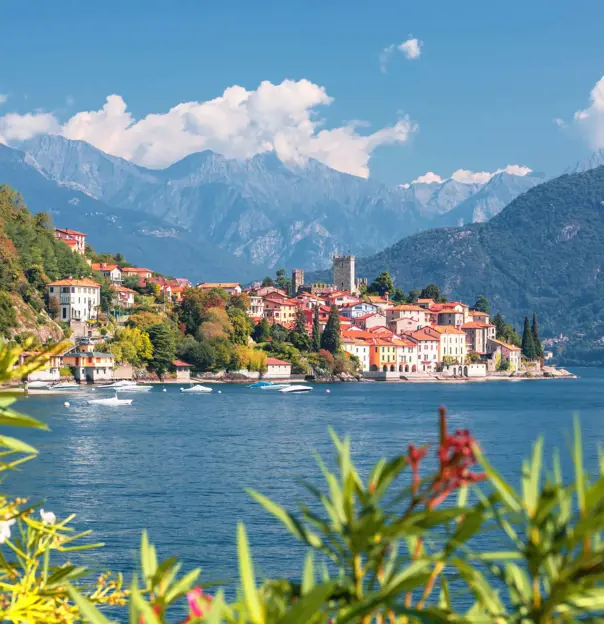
(399,546)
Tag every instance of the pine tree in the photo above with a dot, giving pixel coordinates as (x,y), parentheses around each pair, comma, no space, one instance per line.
(528,344)
(330,340)
(536,339)
(316,331)
(262,331)
(164,348)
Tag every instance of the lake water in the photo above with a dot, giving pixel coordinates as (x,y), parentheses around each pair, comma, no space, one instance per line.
(179,464)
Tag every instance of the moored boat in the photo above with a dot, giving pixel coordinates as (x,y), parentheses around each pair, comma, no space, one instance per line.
(67,385)
(197,390)
(261,384)
(124,383)
(38,385)
(135,388)
(275,386)
(113,401)
(296,389)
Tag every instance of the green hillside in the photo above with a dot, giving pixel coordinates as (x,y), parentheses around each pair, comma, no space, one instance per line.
(543,252)
(30,257)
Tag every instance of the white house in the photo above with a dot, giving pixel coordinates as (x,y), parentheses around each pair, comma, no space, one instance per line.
(182,370)
(354,310)
(76,240)
(89,365)
(256,309)
(359,348)
(231,288)
(112,272)
(414,317)
(427,350)
(123,297)
(277,369)
(77,299)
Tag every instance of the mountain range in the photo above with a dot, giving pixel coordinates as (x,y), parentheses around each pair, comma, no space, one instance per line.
(542,253)
(207,216)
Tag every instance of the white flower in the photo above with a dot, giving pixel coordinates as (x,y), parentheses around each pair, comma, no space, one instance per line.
(5,526)
(47,517)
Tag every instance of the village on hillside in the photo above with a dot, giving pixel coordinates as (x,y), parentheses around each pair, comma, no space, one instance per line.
(381,334)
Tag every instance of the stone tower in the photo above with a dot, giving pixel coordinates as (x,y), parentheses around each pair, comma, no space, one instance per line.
(343,273)
(297,281)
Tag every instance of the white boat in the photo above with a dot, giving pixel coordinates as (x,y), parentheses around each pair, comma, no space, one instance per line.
(67,385)
(295,389)
(113,401)
(275,386)
(118,384)
(135,388)
(38,385)
(197,389)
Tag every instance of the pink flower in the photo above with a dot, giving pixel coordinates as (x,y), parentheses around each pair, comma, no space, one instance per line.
(198,602)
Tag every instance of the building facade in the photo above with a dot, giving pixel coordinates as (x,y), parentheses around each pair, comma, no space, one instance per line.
(297,281)
(76,240)
(344,273)
(77,299)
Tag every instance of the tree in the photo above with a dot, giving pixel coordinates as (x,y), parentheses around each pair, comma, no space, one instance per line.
(399,296)
(132,345)
(315,341)
(528,344)
(200,355)
(431,291)
(8,318)
(482,304)
(282,280)
(262,331)
(330,340)
(414,295)
(382,284)
(164,348)
(499,325)
(278,333)
(241,302)
(106,297)
(299,337)
(536,339)
(268,281)
(241,327)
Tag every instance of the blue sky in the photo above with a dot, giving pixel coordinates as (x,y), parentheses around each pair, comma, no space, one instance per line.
(484,93)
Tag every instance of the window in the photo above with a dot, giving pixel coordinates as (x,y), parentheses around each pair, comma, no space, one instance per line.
(64,313)
(72,289)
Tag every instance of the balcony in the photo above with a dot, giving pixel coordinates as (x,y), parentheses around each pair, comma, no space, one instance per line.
(65,299)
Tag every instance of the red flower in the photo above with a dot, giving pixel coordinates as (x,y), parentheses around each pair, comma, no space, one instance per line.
(198,602)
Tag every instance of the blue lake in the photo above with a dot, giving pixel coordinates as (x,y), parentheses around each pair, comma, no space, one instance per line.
(179,464)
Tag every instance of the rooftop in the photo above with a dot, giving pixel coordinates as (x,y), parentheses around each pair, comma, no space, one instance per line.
(506,345)
(75,282)
(181,364)
(275,362)
(69,232)
(218,285)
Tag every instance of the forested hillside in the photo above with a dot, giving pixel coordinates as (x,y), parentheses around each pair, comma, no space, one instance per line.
(30,257)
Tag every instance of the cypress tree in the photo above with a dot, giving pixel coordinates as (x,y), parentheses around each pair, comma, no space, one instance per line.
(528,344)
(262,331)
(316,331)
(298,337)
(330,340)
(536,339)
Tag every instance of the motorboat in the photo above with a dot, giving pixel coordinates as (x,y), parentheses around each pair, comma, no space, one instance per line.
(38,385)
(197,390)
(124,383)
(113,401)
(296,389)
(135,388)
(67,385)
(275,386)
(261,384)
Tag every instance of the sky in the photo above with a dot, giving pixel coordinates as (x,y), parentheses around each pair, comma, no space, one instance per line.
(392,90)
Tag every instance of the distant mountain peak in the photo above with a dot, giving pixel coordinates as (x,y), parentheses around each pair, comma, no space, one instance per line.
(593,161)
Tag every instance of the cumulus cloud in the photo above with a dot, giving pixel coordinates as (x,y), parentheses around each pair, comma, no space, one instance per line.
(591,119)
(465,176)
(412,49)
(428,178)
(3,98)
(238,124)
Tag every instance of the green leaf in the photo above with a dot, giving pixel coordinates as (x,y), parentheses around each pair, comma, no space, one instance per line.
(484,593)
(17,445)
(180,588)
(88,611)
(506,491)
(143,607)
(578,461)
(248,580)
(468,527)
(280,513)
(148,558)
(302,612)
(308,577)
(15,419)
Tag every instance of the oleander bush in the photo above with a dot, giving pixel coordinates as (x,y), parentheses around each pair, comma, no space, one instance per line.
(404,544)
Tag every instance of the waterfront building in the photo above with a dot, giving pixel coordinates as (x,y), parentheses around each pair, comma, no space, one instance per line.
(452,342)
(74,239)
(506,352)
(182,370)
(343,273)
(88,365)
(76,299)
(477,336)
(427,350)
(358,347)
(277,369)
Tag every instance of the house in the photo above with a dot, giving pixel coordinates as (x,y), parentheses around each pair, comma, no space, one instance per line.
(367,321)
(427,350)
(504,352)
(358,347)
(340,298)
(231,288)
(381,302)
(123,297)
(407,355)
(383,355)
(477,335)
(50,372)
(136,272)
(256,308)
(112,272)
(88,365)
(77,299)
(414,317)
(177,293)
(75,240)
(269,290)
(182,369)
(452,342)
(281,311)
(478,317)
(277,369)
(356,309)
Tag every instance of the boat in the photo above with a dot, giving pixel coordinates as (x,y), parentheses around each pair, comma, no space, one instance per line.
(38,385)
(135,388)
(275,386)
(197,389)
(125,383)
(261,384)
(113,401)
(67,385)
(295,389)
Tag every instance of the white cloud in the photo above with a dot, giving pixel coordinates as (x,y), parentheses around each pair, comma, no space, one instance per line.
(428,178)
(239,124)
(465,176)
(560,122)
(412,48)
(591,119)
(3,98)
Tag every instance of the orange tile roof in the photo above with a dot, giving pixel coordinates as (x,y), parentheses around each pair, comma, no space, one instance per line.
(423,336)
(103,266)
(409,307)
(447,329)
(506,345)
(477,313)
(181,364)
(275,362)
(69,232)
(76,282)
(218,285)
(122,289)
(476,325)
(136,270)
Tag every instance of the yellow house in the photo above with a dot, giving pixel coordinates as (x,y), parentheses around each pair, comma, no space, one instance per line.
(452,342)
